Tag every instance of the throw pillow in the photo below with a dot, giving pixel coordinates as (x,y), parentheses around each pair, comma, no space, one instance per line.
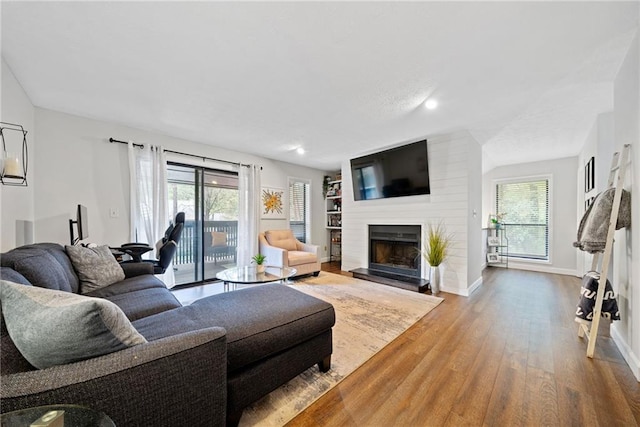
(282,239)
(218,238)
(55,327)
(96,267)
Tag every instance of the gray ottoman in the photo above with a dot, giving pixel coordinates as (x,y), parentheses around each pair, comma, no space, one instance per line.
(274,333)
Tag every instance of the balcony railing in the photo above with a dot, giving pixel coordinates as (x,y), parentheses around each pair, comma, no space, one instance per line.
(190,245)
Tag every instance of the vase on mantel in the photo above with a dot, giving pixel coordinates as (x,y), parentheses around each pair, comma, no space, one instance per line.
(435,279)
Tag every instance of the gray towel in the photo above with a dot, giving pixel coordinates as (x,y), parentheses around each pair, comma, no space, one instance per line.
(592,233)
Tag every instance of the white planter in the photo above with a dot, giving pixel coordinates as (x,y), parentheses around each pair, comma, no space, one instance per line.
(435,279)
(260,268)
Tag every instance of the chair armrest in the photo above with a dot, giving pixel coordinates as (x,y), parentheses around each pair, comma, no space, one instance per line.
(307,247)
(132,269)
(275,257)
(178,380)
(135,250)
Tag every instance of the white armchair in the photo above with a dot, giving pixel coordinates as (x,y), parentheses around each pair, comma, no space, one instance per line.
(282,249)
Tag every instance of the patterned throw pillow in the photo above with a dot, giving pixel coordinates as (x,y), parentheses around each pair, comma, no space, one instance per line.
(96,267)
(55,327)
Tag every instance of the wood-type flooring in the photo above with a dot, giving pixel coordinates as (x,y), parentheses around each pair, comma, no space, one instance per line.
(508,355)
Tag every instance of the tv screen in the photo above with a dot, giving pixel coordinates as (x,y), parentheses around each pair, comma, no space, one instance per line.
(397,172)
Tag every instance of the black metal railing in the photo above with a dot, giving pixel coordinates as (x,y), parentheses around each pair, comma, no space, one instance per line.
(225,243)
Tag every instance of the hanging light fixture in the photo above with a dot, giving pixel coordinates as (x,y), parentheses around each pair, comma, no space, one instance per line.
(14,158)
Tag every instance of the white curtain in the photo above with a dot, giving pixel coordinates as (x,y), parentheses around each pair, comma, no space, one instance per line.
(249,213)
(149,194)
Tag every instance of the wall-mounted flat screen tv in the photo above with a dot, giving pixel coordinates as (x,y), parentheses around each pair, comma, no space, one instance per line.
(397,172)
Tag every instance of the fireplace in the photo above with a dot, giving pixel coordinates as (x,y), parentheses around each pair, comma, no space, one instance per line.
(395,249)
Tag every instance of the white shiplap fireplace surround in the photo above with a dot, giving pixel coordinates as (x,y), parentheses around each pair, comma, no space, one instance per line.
(455,173)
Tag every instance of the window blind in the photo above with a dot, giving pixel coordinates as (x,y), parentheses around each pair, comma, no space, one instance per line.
(298,194)
(525,209)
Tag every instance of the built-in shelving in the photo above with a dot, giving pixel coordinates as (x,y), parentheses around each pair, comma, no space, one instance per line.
(334,218)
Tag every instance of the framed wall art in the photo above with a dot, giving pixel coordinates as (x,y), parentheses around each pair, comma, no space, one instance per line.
(273,203)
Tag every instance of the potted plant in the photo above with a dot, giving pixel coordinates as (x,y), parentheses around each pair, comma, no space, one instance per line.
(259,260)
(435,251)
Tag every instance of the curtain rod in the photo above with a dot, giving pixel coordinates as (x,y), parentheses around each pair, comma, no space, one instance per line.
(112,140)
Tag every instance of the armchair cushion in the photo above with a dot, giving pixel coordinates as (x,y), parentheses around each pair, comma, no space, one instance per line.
(56,327)
(299,257)
(282,239)
(96,267)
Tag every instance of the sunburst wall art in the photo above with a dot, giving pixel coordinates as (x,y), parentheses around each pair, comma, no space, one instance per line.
(273,206)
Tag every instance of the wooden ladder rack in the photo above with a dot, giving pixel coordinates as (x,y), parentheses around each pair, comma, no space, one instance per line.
(616,177)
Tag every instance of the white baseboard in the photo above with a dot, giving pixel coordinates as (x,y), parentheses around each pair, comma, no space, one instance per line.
(463,292)
(475,285)
(628,355)
(543,268)
(325,259)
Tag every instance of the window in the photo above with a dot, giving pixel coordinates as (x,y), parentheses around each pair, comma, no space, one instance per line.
(209,199)
(299,208)
(525,205)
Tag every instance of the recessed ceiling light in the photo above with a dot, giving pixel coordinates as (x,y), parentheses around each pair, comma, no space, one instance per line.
(431,104)
(300,150)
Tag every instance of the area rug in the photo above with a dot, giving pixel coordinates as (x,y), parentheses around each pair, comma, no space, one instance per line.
(368,317)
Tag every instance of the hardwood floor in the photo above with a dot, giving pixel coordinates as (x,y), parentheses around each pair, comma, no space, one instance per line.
(508,355)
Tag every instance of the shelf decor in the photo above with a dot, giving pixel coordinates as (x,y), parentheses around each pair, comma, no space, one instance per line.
(15,156)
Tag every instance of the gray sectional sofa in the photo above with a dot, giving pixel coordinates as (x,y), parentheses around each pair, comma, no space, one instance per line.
(201,364)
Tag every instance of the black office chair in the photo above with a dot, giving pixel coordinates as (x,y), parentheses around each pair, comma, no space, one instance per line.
(165,247)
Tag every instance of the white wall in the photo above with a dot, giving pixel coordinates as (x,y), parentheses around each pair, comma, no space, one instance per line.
(454,162)
(77,165)
(562,208)
(626,267)
(600,145)
(16,203)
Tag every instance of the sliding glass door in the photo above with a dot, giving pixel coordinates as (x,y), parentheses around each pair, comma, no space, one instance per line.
(209,199)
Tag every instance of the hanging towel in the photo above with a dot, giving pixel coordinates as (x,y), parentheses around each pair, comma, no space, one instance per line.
(588,293)
(594,226)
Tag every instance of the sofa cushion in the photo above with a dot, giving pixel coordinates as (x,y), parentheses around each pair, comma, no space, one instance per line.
(260,321)
(58,252)
(52,271)
(96,267)
(41,269)
(145,302)
(10,275)
(282,239)
(130,284)
(298,258)
(55,328)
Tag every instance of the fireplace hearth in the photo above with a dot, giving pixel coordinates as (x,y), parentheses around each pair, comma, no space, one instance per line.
(394,257)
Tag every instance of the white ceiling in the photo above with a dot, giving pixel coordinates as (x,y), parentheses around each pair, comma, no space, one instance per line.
(339,79)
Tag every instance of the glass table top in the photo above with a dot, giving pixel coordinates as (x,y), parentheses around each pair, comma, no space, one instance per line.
(73,416)
(249,274)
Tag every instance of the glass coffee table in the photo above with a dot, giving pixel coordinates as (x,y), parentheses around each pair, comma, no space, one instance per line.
(69,416)
(249,275)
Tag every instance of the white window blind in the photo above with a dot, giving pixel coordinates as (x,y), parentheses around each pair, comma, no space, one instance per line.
(298,209)
(525,206)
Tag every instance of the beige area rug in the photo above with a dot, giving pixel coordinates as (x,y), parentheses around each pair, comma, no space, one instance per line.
(368,317)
